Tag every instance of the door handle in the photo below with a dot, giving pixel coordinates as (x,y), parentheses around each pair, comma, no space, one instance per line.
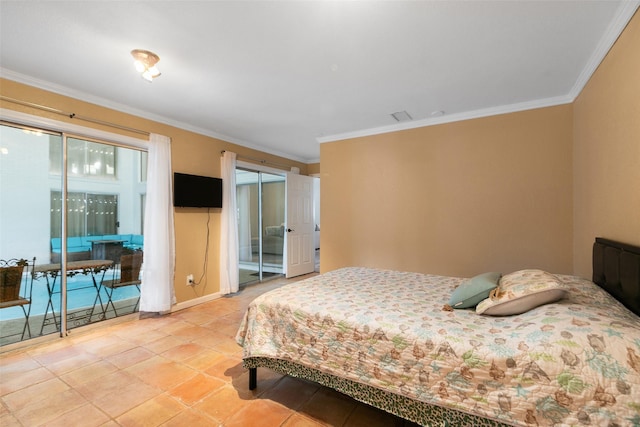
(289,230)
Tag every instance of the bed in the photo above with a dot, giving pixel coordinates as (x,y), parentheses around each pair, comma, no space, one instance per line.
(392,340)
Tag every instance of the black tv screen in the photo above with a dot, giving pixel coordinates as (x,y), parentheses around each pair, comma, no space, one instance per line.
(195,191)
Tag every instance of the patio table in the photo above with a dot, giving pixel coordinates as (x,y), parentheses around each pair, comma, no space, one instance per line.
(51,272)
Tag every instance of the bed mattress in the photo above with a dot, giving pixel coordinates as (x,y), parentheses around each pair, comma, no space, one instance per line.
(573,362)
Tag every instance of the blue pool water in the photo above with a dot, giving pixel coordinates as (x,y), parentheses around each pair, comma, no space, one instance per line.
(80,293)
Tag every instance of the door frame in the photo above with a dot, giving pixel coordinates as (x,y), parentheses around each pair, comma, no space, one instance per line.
(253,167)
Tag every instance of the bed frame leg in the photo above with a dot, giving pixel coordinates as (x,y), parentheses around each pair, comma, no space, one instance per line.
(253,378)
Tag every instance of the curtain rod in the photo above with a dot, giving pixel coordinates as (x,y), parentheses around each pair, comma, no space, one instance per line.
(261,161)
(74,115)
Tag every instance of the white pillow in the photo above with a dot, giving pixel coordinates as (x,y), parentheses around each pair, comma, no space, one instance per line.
(522,291)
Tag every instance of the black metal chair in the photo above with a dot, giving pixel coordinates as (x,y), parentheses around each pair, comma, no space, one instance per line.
(12,291)
(129,267)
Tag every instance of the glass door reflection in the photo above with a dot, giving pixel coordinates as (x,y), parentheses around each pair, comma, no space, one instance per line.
(261,207)
(272,225)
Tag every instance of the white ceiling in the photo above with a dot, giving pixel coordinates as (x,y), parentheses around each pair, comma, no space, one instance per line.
(283,76)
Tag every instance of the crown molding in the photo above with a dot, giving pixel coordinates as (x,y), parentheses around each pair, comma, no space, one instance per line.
(449,118)
(83,96)
(625,12)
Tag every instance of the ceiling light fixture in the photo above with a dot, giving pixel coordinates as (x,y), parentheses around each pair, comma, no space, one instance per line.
(145,63)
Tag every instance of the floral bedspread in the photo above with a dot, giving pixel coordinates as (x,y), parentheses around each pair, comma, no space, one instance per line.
(574,362)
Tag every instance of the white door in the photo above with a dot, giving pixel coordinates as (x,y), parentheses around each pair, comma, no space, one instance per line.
(299,247)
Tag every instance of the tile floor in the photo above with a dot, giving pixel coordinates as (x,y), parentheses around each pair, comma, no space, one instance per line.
(182,369)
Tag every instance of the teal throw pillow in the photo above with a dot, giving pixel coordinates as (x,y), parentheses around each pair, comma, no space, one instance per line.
(474,290)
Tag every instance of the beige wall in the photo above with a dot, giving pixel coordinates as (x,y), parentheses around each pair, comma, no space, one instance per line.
(490,194)
(190,153)
(607,151)
(313,168)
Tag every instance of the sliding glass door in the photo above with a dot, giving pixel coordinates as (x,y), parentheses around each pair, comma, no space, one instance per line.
(77,218)
(261,212)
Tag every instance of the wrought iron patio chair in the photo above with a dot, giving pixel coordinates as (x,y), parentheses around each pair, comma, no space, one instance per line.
(129,267)
(13,293)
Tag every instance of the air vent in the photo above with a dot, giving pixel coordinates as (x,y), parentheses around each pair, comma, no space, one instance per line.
(401,116)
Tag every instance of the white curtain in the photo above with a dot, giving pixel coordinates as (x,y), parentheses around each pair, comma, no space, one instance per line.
(156,292)
(229,279)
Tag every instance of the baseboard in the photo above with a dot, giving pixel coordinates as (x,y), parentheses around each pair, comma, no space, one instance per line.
(195,301)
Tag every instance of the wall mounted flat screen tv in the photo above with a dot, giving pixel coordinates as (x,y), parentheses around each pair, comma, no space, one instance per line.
(194,191)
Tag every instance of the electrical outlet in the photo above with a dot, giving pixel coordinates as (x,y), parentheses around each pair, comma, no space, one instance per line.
(190,281)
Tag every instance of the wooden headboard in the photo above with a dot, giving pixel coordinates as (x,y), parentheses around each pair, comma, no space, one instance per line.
(616,269)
